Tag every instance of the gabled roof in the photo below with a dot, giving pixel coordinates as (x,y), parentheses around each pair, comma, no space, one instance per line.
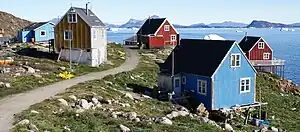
(91,19)
(201,57)
(150,26)
(248,42)
(131,39)
(34,26)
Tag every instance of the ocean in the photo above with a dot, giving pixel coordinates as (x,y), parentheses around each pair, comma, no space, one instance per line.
(285,44)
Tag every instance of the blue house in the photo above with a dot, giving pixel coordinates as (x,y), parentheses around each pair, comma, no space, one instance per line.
(37,32)
(213,72)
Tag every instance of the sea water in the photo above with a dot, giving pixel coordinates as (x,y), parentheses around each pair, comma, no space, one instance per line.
(285,45)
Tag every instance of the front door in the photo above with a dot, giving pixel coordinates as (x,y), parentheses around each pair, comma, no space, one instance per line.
(177,86)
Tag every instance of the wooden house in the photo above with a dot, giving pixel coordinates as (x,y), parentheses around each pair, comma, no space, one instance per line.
(157,33)
(261,55)
(86,34)
(213,72)
(37,32)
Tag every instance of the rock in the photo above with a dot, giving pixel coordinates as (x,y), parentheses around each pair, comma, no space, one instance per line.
(73,97)
(18,74)
(23,122)
(274,129)
(85,105)
(29,69)
(124,128)
(108,82)
(98,105)
(183,113)
(7,85)
(21,69)
(37,75)
(114,116)
(5,70)
(37,70)
(62,68)
(2,83)
(109,63)
(173,114)
(33,127)
(264,129)
(204,119)
(293,109)
(67,128)
(228,127)
(137,119)
(181,108)
(201,110)
(130,115)
(165,120)
(63,102)
(95,101)
(34,112)
(77,115)
(128,95)
(79,110)
(159,60)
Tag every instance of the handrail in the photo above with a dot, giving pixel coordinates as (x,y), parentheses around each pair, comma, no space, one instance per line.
(273,62)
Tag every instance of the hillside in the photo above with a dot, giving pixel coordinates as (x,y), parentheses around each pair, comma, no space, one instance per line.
(228,24)
(265,24)
(11,24)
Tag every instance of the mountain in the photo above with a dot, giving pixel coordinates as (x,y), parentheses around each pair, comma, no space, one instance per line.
(11,24)
(134,23)
(227,24)
(294,25)
(198,25)
(111,25)
(265,24)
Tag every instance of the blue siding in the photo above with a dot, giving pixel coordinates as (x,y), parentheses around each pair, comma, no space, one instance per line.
(227,83)
(191,84)
(25,36)
(48,28)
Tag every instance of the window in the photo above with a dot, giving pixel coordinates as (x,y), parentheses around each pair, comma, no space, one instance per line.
(202,86)
(72,18)
(235,60)
(43,33)
(183,80)
(266,56)
(177,82)
(244,85)
(95,34)
(167,27)
(173,37)
(261,45)
(68,35)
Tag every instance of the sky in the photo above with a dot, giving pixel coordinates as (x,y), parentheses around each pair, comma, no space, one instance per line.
(183,12)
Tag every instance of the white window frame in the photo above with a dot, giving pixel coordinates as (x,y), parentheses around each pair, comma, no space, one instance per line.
(183,80)
(245,85)
(173,38)
(41,33)
(179,82)
(266,56)
(70,17)
(95,34)
(202,88)
(70,33)
(236,60)
(261,45)
(167,27)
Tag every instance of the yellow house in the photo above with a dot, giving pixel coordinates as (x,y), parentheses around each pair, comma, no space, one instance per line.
(86,34)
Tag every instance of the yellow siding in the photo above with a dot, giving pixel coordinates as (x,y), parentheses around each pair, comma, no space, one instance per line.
(81,34)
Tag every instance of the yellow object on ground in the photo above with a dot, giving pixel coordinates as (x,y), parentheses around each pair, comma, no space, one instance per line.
(121,53)
(66,75)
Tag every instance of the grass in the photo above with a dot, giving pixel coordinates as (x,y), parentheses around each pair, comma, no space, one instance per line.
(49,69)
(97,120)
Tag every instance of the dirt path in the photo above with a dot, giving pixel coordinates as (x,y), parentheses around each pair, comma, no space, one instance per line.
(19,102)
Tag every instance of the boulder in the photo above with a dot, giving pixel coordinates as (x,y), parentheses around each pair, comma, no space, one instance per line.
(201,111)
(264,129)
(62,68)
(204,119)
(34,112)
(183,113)
(33,128)
(67,128)
(18,74)
(137,119)
(130,115)
(95,101)
(29,69)
(37,75)
(23,122)
(165,120)
(128,95)
(173,114)
(228,127)
(73,97)
(124,128)
(274,129)
(63,102)
(7,85)
(181,108)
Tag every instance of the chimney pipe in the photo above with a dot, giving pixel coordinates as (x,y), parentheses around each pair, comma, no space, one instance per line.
(86,8)
(246,34)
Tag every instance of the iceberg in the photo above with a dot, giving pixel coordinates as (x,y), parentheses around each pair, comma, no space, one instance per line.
(213,37)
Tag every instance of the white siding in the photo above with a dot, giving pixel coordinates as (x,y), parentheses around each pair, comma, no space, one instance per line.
(98,45)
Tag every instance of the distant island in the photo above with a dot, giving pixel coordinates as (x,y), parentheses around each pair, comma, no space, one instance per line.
(134,23)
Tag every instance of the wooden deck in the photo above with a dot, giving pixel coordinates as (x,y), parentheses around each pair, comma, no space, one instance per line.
(274,62)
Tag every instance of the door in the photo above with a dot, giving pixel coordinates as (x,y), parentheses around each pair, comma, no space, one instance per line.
(177,86)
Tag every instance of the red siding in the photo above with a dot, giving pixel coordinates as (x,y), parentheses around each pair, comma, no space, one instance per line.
(166,35)
(257,54)
(156,42)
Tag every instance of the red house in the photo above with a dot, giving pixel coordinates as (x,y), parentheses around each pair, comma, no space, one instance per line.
(260,54)
(157,33)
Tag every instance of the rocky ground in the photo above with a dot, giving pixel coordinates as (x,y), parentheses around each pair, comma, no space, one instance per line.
(28,72)
(115,103)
